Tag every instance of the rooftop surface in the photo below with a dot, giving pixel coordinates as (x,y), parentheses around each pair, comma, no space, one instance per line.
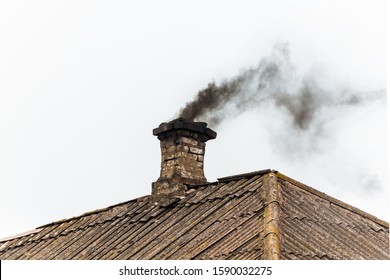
(258,215)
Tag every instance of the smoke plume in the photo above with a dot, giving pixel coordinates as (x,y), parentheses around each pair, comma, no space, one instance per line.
(274,81)
(309,122)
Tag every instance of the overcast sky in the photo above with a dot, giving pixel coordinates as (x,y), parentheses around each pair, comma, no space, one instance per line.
(83,83)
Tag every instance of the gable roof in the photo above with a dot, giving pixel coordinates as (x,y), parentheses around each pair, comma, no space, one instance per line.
(258,215)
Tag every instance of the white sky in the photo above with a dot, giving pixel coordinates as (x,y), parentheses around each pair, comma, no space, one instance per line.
(83,83)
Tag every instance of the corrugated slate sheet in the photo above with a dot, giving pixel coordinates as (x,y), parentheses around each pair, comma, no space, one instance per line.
(222,220)
(217,221)
(313,227)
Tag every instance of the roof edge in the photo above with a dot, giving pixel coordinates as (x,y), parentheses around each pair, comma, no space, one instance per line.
(20,235)
(141,198)
(333,200)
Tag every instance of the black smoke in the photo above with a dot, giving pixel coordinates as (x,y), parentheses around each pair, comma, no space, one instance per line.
(273,81)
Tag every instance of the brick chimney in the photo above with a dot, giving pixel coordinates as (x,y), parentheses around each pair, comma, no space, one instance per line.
(183,145)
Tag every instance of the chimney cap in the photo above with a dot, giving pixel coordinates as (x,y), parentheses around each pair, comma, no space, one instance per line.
(184,124)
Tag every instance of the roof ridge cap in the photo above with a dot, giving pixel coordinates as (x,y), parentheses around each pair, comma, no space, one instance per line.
(246,175)
(272,211)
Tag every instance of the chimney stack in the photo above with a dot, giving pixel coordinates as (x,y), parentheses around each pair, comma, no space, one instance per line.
(183,145)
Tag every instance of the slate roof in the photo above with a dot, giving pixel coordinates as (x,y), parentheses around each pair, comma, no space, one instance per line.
(259,215)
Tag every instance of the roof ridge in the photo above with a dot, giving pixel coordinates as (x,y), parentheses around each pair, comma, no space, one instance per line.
(332,200)
(272,211)
(245,175)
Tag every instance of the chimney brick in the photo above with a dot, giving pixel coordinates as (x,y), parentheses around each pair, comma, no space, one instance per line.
(182,145)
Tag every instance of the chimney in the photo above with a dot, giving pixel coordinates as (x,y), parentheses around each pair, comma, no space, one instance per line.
(183,145)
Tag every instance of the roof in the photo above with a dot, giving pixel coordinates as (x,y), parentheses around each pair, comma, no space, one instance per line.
(258,215)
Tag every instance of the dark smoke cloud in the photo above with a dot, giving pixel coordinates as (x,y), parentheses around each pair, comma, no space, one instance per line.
(307,118)
(273,81)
